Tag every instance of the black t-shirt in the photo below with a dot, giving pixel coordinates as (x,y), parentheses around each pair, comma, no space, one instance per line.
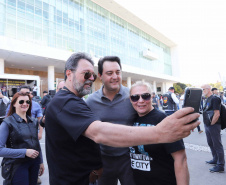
(70,155)
(153,164)
(213,103)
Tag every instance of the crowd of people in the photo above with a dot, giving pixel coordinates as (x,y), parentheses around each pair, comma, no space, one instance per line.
(116,134)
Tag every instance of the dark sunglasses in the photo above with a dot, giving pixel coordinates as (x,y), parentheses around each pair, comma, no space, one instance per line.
(136,97)
(27,101)
(87,75)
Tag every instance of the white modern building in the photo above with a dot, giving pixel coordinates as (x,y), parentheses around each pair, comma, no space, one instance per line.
(37,37)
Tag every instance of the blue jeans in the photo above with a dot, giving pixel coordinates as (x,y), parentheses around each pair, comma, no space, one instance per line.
(27,173)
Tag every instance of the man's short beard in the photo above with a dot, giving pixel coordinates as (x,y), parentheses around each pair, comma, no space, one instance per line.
(79,87)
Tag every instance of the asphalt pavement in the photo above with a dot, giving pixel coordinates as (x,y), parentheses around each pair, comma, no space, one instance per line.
(197,153)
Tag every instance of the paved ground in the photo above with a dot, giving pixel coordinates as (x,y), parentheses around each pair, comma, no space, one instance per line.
(197,153)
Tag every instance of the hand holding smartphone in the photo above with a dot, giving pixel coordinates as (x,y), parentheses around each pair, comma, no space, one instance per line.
(192,98)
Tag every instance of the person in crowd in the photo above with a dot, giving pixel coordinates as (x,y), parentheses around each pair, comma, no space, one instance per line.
(4,102)
(215,91)
(111,103)
(36,112)
(170,102)
(35,89)
(211,119)
(199,130)
(155,101)
(223,98)
(4,90)
(36,98)
(160,100)
(73,130)
(59,87)
(161,163)
(19,144)
(45,100)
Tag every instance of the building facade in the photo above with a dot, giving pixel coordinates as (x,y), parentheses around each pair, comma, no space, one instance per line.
(37,37)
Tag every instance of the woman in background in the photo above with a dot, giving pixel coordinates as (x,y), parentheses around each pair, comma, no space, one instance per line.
(19,144)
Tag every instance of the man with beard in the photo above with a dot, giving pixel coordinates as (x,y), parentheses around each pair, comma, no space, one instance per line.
(72,129)
(212,123)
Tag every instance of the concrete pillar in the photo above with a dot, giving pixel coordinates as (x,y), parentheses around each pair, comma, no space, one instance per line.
(163,87)
(154,87)
(51,77)
(129,82)
(2,66)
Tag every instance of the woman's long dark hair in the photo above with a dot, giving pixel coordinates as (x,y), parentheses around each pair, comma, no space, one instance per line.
(12,109)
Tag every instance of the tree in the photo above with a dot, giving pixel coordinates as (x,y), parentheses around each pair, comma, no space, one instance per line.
(179,87)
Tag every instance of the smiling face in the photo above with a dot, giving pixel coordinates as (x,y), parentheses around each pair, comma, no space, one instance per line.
(111,76)
(22,107)
(142,106)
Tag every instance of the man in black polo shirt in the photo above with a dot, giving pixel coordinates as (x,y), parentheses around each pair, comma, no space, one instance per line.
(72,129)
(212,122)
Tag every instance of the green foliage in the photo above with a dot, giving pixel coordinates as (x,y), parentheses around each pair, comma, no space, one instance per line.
(217,85)
(179,87)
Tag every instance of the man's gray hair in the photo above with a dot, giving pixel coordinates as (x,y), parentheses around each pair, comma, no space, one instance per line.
(72,62)
(141,83)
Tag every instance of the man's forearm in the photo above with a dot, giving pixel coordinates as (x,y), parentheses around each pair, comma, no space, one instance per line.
(181,167)
(215,117)
(121,136)
(182,173)
(171,129)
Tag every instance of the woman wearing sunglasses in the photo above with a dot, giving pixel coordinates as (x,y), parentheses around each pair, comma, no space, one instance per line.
(156,164)
(19,144)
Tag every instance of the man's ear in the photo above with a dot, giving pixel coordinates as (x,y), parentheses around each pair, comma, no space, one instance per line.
(69,75)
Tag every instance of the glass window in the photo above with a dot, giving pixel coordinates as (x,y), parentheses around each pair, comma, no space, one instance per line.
(45,15)
(38,3)
(11,10)
(10,30)
(31,2)
(29,8)
(38,36)
(21,5)
(29,34)
(11,19)
(38,11)
(2,28)
(11,2)
(20,33)
(45,6)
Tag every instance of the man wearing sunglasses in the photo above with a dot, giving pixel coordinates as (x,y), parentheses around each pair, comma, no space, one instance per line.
(111,103)
(72,129)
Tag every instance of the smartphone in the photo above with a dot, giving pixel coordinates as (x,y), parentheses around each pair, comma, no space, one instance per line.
(192,98)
